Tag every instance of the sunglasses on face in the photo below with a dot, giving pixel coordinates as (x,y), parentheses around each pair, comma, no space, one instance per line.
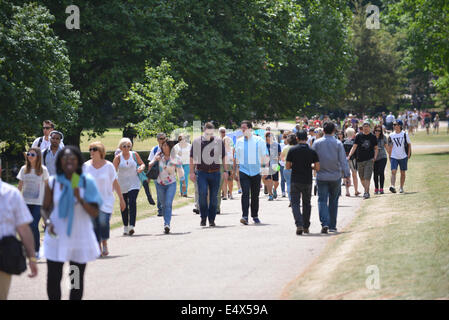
(378,131)
(47,128)
(126,147)
(93,149)
(31,154)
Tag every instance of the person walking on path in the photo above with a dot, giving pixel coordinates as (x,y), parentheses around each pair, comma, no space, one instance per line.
(15,217)
(44,141)
(129,182)
(291,141)
(49,155)
(399,151)
(332,163)
(33,177)
(366,146)
(170,164)
(71,203)
(348,144)
(161,138)
(225,190)
(250,154)
(271,180)
(301,159)
(283,143)
(105,177)
(206,157)
(182,149)
(381,160)
(436,124)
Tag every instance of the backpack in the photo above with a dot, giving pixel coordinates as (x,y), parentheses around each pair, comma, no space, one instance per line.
(40,142)
(348,144)
(45,155)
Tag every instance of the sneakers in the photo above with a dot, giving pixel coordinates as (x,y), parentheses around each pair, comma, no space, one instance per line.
(211,223)
(299,230)
(196,211)
(376,191)
(270,198)
(275,194)
(392,190)
(167,229)
(315,190)
(401,190)
(160,214)
(283,195)
(224,198)
(125,230)
(324,229)
(265,190)
(306,230)
(366,195)
(131,230)
(332,230)
(381,191)
(203,223)
(256,220)
(218,212)
(244,221)
(239,191)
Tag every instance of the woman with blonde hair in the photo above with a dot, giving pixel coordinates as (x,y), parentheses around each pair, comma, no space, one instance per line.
(105,177)
(128,164)
(33,177)
(347,144)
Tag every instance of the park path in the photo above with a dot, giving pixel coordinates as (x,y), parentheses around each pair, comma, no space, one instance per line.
(231,261)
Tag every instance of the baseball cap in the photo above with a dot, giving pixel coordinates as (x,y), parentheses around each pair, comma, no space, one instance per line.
(399,122)
(366,123)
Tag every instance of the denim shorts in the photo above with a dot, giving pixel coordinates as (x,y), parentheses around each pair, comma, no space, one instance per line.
(102,226)
(402,164)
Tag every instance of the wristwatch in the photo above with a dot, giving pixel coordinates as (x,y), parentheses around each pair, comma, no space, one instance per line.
(47,222)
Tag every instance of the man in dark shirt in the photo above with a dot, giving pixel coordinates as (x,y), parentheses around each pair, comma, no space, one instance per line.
(301,159)
(206,156)
(366,145)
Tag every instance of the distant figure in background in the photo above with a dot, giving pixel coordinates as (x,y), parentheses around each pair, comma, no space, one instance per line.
(182,149)
(44,141)
(436,124)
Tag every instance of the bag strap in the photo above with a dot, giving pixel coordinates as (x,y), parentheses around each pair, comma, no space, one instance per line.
(45,156)
(40,142)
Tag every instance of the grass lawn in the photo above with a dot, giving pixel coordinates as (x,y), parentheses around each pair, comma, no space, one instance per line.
(111,138)
(405,236)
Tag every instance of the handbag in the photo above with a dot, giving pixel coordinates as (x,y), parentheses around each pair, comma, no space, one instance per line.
(12,257)
(142,176)
(153,173)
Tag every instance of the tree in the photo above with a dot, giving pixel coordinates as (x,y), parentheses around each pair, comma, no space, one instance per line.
(34,75)
(156,100)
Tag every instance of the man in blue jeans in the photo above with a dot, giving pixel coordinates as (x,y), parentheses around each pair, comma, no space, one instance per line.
(332,162)
(206,156)
(250,154)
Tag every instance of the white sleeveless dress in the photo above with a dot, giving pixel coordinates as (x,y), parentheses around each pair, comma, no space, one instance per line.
(81,247)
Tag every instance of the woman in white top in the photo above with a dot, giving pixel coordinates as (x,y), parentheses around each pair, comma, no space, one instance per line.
(128,164)
(73,199)
(105,176)
(182,149)
(33,177)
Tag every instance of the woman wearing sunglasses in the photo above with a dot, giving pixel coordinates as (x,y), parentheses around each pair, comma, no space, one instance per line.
(33,176)
(105,176)
(127,169)
(381,161)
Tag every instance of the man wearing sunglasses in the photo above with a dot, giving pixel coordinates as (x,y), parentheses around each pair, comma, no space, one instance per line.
(161,138)
(49,155)
(44,141)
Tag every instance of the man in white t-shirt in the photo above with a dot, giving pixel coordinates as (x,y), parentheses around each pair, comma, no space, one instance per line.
(15,218)
(44,141)
(161,137)
(399,151)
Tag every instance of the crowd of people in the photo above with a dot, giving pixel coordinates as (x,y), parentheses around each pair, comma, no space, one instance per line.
(76,198)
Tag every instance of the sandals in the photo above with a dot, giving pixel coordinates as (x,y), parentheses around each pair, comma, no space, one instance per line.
(105,251)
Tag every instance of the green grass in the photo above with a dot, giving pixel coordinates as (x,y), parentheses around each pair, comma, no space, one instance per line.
(111,138)
(422,138)
(405,235)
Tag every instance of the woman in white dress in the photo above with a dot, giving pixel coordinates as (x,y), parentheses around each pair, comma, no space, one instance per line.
(73,200)
(182,149)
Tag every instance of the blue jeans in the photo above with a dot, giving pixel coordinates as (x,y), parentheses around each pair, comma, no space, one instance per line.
(36,213)
(102,226)
(283,181)
(186,168)
(328,193)
(288,179)
(208,181)
(166,194)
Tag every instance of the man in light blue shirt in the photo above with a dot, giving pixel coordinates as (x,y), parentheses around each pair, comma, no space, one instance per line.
(332,162)
(250,155)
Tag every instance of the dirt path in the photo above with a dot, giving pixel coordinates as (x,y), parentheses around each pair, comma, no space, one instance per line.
(231,261)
